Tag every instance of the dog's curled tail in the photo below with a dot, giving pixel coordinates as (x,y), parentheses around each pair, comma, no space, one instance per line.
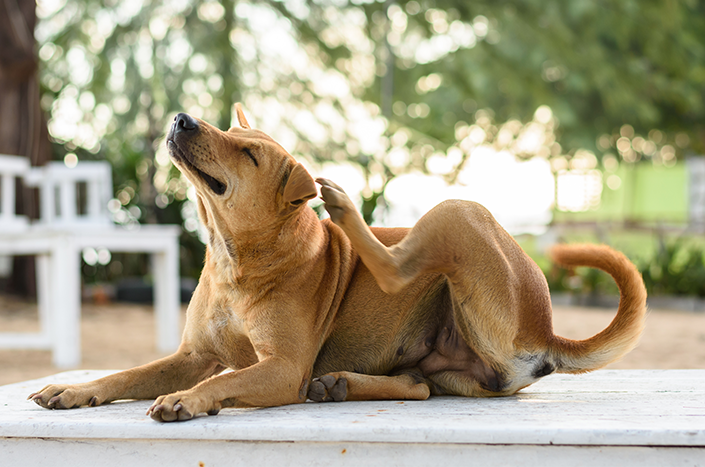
(623,333)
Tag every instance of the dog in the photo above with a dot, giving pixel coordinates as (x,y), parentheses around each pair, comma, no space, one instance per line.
(334,310)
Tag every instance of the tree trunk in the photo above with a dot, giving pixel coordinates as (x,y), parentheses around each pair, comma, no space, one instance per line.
(23,129)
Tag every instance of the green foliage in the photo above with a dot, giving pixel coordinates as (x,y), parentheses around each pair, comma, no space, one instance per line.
(677,269)
(582,281)
(598,65)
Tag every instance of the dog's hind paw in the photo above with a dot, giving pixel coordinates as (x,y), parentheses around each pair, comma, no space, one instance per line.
(328,388)
(337,203)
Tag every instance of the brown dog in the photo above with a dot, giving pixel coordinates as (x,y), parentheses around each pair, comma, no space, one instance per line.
(338,311)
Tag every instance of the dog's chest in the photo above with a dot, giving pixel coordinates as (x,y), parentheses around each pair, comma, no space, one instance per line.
(223,324)
(220,321)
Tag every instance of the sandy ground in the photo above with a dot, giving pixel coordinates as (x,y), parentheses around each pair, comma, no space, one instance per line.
(120,336)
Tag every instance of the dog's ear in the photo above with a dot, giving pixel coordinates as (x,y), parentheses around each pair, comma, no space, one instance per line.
(299,187)
(241,117)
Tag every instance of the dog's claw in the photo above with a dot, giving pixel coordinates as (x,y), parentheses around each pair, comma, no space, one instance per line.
(154,409)
(327,183)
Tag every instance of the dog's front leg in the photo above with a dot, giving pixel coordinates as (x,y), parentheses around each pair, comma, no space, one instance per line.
(182,370)
(269,383)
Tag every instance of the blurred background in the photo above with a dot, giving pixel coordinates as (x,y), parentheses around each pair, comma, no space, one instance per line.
(569,121)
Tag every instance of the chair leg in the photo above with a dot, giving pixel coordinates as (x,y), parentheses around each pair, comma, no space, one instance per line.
(43,263)
(66,304)
(165,269)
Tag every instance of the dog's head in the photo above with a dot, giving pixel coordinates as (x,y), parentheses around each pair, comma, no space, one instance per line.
(245,181)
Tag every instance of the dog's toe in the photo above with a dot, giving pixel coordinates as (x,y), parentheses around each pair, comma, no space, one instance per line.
(328,388)
(339,390)
(317,391)
(327,380)
(327,183)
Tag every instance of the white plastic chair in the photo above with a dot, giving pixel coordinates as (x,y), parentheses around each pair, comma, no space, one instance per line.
(58,188)
(57,240)
(11,167)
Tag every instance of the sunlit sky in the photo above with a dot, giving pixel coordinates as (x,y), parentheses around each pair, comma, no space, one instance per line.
(520,194)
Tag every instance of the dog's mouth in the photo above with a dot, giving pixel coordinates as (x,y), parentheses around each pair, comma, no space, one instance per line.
(178,155)
(213,183)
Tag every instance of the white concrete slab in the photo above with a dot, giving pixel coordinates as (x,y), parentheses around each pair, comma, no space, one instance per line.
(614,417)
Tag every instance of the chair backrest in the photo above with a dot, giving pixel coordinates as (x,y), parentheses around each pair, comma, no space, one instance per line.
(73,197)
(11,167)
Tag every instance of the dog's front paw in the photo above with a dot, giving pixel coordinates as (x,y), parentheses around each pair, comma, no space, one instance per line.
(66,396)
(328,388)
(337,202)
(181,406)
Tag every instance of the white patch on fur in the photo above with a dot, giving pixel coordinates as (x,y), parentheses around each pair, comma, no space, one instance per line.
(524,370)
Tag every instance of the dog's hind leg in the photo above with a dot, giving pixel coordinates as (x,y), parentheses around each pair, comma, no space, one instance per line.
(347,386)
(457,238)
(501,299)
(380,260)
(390,266)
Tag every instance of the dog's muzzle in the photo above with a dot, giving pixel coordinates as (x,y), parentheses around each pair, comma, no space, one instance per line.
(184,128)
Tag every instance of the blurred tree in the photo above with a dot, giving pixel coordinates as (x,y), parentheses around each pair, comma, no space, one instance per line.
(598,65)
(328,77)
(115,73)
(22,126)
(678,268)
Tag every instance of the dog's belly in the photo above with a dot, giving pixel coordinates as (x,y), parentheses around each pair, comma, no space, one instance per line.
(379,334)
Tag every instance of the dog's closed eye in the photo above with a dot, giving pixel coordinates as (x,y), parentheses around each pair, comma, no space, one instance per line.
(248,151)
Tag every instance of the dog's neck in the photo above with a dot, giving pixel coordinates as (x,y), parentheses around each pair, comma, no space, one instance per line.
(253,260)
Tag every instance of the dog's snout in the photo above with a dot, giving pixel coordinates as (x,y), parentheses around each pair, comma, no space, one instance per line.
(185,122)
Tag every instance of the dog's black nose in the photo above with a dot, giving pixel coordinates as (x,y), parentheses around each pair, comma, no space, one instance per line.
(185,122)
